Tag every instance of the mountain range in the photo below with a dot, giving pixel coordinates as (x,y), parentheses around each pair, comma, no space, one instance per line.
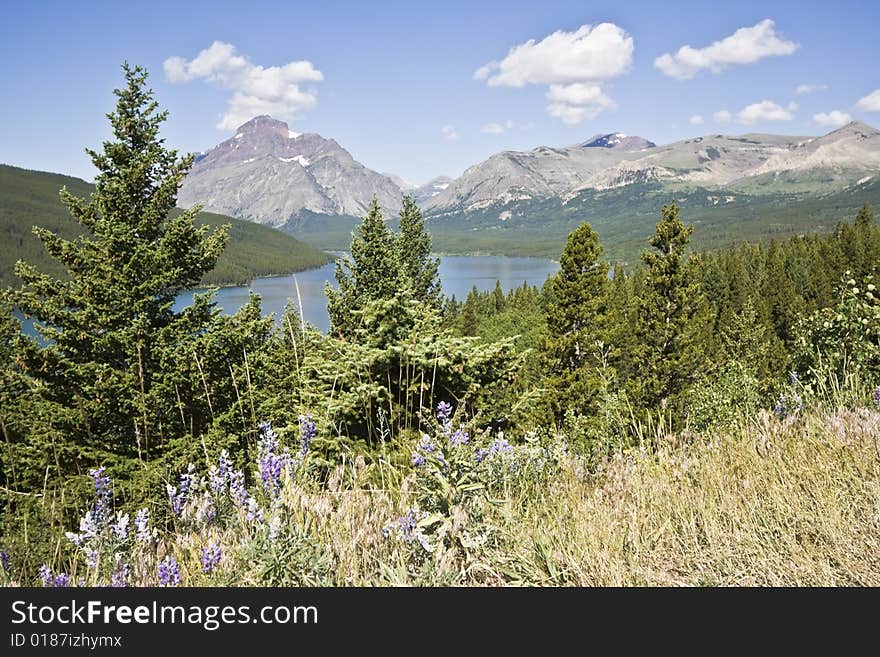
(526,202)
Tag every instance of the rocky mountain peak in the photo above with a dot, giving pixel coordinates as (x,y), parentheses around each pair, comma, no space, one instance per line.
(265,124)
(618,141)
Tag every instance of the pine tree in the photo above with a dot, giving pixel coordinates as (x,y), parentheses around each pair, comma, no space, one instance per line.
(111,388)
(673,321)
(574,320)
(414,253)
(865,217)
(372,273)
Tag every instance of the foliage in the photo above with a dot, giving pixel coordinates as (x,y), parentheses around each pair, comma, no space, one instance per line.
(843,341)
(29,198)
(575,317)
(671,325)
(118,376)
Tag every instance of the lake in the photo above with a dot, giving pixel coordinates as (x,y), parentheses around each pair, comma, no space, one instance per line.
(458,274)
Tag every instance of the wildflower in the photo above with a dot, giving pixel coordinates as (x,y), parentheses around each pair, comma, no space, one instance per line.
(444,412)
(427,444)
(307,433)
(407,529)
(500,446)
(459,437)
(120,527)
(45,575)
(4,561)
(418,460)
(254,512)
(877,396)
(92,558)
(219,474)
(779,404)
(206,510)
(481,454)
(211,556)
(120,576)
(49,579)
(237,490)
(272,459)
(169,572)
(274,527)
(103,493)
(178,498)
(142,526)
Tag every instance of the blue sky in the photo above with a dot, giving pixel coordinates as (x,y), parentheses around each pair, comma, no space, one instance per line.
(394,82)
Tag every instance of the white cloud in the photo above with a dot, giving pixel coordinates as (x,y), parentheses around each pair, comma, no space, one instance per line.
(870,103)
(832,119)
(766,110)
(498,128)
(696,119)
(572,64)
(449,133)
(745,46)
(255,89)
(722,116)
(803,89)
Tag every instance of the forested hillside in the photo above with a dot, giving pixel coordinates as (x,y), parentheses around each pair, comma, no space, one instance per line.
(30,198)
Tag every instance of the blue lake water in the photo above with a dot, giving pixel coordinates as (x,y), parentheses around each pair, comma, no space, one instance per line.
(458,274)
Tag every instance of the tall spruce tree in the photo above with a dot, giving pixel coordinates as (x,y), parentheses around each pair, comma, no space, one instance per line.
(574,319)
(109,370)
(372,273)
(420,270)
(673,321)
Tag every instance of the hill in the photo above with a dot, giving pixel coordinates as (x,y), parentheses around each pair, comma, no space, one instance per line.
(29,198)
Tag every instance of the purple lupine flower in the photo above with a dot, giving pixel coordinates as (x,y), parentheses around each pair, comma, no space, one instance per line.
(459,437)
(779,405)
(219,474)
(142,526)
(418,460)
(120,527)
(407,529)
(103,493)
(427,444)
(45,575)
(500,446)
(120,576)
(237,491)
(444,412)
(273,460)
(481,454)
(211,556)
(877,396)
(254,512)
(62,580)
(92,558)
(4,561)
(307,433)
(169,572)
(179,496)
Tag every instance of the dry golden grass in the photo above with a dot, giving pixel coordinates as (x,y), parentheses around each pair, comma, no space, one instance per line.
(793,503)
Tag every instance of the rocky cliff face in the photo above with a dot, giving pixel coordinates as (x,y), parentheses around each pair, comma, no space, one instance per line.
(268,174)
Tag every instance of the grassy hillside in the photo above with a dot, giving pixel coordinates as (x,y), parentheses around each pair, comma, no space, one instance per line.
(30,198)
